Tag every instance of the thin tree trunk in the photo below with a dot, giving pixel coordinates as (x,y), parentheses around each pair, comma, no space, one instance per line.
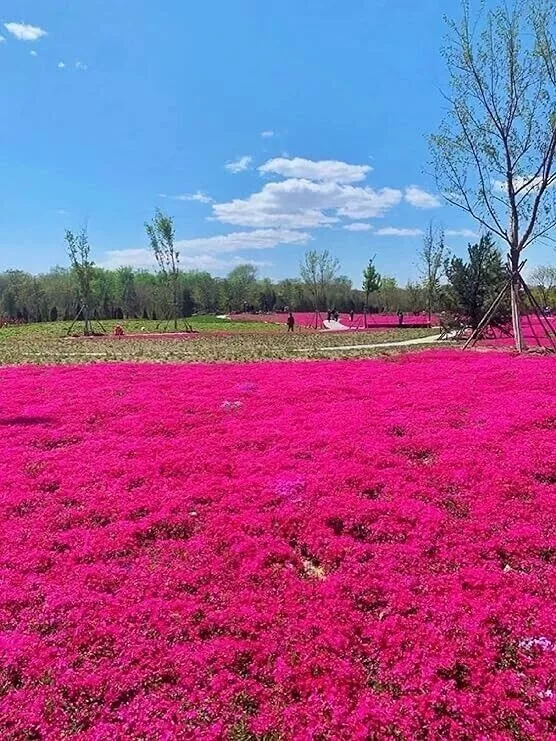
(87,320)
(516,319)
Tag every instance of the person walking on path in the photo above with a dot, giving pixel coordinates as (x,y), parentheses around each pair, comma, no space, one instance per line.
(290,322)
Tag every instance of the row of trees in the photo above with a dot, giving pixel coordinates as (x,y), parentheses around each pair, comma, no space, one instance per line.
(127,293)
(446,283)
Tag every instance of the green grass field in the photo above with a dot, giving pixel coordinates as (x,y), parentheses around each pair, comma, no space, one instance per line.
(48,343)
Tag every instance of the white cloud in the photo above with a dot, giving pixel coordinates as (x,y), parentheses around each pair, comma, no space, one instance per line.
(303,204)
(61,65)
(2,39)
(390,231)
(519,183)
(201,253)
(198,196)
(420,198)
(33,53)
(321,171)
(358,227)
(81,66)
(267,134)
(461,233)
(259,239)
(239,165)
(143,259)
(24,32)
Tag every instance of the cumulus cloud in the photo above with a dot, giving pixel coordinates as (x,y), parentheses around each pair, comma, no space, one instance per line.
(267,134)
(198,196)
(24,32)
(391,231)
(81,66)
(202,253)
(304,204)
(2,39)
(358,227)
(143,259)
(61,65)
(33,53)
(239,165)
(323,170)
(420,198)
(461,233)
(523,184)
(259,239)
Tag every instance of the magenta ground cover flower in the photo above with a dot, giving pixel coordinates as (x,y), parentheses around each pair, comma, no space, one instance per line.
(356,550)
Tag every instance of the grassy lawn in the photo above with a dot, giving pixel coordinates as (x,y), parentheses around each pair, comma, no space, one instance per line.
(48,343)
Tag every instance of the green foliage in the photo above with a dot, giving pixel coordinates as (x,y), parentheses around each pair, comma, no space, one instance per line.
(475,282)
(543,284)
(371,281)
(79,253)
(161,234)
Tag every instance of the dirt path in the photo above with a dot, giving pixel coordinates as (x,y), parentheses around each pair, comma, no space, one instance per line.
(400,343)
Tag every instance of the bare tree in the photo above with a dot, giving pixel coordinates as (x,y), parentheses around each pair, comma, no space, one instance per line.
(318,271)
(494,153)
(544,279)
(432,256)
(79,253)
(161,234)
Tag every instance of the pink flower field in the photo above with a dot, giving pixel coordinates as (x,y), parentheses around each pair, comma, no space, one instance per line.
(326,550)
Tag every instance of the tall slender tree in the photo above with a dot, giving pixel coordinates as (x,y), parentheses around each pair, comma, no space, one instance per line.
(494,155)
(432,256)
(318,271)
(371,283)
(79,253)
(161,234)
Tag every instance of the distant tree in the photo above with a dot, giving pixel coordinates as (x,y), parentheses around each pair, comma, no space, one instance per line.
(318,271)
(432,257)
(127,292)
(53,314)
(240,284)
(82,266)
(371,283)
(187,305)
(473,284)
(543,279)
(161,234)
(389,293)
(413,297)
(266,296)
(494,155)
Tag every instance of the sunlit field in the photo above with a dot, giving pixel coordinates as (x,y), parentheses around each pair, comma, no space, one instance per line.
(332,550)
(213,340)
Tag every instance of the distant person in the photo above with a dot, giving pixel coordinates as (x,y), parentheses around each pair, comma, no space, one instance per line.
(328,315)
(400,318)
(335,315)
(351,315)
(290,322)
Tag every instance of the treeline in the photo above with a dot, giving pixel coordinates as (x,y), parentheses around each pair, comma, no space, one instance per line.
(126,293)
(461,285)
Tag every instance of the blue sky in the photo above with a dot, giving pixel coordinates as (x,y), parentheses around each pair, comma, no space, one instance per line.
(264,128)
